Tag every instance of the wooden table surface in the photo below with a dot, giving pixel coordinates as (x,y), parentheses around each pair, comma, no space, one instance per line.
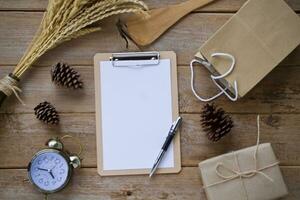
(276,99)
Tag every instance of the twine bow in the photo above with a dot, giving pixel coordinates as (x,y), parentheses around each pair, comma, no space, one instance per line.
(8,86)
(245,174)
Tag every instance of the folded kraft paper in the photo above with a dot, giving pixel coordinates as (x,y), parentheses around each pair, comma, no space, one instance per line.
(259,36)
(248,174)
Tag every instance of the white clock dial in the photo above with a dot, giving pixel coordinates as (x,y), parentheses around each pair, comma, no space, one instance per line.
(49,171)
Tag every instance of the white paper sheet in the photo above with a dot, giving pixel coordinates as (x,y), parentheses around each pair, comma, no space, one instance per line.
(136,112)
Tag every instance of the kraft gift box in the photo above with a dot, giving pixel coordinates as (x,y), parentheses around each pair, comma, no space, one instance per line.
(260,35)
(239,175)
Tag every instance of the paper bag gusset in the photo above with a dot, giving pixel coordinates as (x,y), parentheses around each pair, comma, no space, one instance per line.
(259,36)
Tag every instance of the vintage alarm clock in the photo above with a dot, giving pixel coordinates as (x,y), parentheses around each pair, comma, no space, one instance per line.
(50,169)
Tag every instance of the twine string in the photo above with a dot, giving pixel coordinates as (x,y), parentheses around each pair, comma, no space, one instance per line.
(245,174)
(8,86)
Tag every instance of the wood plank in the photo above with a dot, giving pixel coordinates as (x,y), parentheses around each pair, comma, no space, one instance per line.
(218,6)
(23,5)
(198,27)
(22,135)
(277,93)
(279,130)
(86,184)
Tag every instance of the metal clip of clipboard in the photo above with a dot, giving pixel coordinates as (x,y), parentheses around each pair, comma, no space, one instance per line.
(135,59)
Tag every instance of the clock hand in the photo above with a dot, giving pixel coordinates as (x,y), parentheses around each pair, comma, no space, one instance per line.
(47,170)
(42,169)
(51,174)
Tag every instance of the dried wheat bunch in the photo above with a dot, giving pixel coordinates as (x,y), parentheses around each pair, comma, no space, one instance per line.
(68,19)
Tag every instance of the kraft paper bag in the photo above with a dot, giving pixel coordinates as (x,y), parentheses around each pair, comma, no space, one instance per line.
(260,35)
(266,184)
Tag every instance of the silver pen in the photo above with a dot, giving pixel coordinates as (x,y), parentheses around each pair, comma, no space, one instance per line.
(169,139)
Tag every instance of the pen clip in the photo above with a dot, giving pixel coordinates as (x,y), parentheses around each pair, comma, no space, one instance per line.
(176,124)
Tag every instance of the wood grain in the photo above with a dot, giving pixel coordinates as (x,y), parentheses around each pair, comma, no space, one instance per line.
(276,98)
(218,6)
(142,31)
(86,184)
(277,93)
(22,135)
(18,28)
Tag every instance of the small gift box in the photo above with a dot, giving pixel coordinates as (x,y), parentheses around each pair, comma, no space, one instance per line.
(252,173)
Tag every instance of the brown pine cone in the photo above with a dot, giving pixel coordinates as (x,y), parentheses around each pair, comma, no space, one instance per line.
(215,122)
(64,75)
(46,113)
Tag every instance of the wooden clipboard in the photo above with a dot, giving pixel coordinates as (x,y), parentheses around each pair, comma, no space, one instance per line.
(98,58)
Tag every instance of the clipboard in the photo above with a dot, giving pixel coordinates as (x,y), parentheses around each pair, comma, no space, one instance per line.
(137,63)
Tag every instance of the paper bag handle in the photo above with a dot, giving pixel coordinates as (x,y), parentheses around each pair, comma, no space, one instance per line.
(215,78)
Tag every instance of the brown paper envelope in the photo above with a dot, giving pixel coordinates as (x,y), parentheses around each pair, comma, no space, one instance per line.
(260,35)
(256,188)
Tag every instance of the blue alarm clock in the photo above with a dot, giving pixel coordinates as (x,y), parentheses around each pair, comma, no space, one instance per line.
(50,169)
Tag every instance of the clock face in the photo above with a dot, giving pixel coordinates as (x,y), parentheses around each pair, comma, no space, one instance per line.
(49,171)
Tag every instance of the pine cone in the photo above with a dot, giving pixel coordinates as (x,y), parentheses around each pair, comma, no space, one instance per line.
(63,74)
(215,122)
(46,113)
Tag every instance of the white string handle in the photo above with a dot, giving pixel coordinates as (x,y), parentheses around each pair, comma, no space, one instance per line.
(231,67)
(224,90)
(192,84)
(214,78)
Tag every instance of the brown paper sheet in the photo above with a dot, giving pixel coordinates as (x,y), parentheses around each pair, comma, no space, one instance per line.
(260,35)
(257,187)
